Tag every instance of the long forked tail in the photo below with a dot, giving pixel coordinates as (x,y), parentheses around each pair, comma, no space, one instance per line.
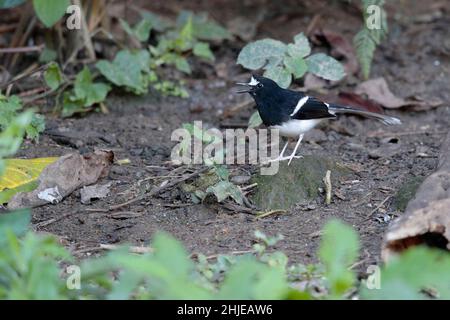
(388,120)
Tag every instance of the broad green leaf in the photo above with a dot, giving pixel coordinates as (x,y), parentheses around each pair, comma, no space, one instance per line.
(280,75)
(50,11)
(250,279)
(172,255)
(338,250)
(256,55)
(325,67)
(406,276)
(300,47)
(5,4)
(71,105)
(296,65)
(140,31)
(255,120)
(201,49)
(224,189)
(16,221)
(53,76)
(87,91)
(204,28)
(129,69)
(182,64)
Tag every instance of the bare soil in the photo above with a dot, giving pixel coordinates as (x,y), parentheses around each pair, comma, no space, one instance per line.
(415,60)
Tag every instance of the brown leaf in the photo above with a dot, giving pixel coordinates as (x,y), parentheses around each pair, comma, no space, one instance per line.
(61,178)
(340,47)
(378,91)
(354,100)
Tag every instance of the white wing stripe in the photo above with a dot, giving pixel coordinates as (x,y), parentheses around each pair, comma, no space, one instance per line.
(300,104)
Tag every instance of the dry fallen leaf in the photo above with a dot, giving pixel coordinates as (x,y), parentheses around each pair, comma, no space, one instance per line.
(61,178)
(378,91)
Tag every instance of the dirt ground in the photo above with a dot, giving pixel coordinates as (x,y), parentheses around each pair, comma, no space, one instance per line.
(415,60)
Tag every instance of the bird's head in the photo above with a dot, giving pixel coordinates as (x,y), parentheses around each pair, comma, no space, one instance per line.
(259,87)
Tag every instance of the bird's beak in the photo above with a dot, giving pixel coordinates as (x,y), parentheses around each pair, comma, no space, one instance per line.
(246,90)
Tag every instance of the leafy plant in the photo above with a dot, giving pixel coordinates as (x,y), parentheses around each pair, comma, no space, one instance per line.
(184,38)
(9,110)
(370,36)
(283,61)
(216,181)
(85,94)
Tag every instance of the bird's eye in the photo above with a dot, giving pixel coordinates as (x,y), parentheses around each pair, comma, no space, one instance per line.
(260,85)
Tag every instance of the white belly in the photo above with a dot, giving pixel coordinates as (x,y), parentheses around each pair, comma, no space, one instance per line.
(294,128)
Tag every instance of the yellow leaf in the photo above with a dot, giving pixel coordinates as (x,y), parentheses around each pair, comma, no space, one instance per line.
(22,171)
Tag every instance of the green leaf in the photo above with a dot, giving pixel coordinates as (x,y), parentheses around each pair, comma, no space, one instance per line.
(338,250)
(53,76)
(224,189)
(171,255)
(140,31)
(300,47)
(36,126)
(406,276)
(182,64)
(87,91)
(5,4)
(17,222)
(256,55)
(50,11)
(201,49)
(48,55)
(325,67)
(204,28)
(129,69)
(296,65)
(249,279)
(280,75)
(365,49)
(255,120)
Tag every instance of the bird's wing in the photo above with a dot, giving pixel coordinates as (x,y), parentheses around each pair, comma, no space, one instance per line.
(310,108)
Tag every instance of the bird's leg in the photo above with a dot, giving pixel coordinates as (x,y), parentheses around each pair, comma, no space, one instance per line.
(292,156)
(280,157)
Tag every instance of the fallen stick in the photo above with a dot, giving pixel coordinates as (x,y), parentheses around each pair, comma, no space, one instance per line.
(158,190)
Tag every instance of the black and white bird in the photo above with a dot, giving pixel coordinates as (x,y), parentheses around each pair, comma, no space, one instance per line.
(293,113)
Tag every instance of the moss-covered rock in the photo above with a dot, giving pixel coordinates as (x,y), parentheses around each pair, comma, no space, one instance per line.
(407,191)
(296,183)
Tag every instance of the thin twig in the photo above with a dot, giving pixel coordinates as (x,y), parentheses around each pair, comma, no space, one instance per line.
(380,205)
(269,213)
(158,190)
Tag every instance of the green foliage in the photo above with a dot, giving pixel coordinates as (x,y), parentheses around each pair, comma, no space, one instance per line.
(216,181)
(53,76)
(85,94)
(281,61)
(141,31)
(33,267)
(9,109)
(338,250)
(420,273)
(50,11)
(367,39)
